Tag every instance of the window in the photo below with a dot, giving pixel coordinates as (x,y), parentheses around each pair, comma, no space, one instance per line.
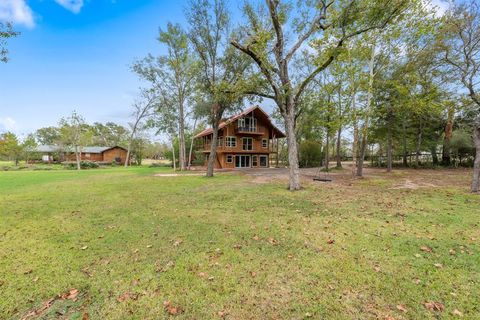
(263,161)
(87,155)
(220,141)
(231,142)
(229,158)
(254,161)
(264,143)
(247,144)
(248,124)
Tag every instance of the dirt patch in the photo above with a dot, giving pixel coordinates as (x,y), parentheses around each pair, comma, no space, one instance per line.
(177,174)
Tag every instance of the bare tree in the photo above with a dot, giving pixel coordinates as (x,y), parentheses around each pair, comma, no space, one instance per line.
(143,108)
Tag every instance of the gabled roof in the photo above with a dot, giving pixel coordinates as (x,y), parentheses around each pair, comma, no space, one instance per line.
(94,149)
(278,132)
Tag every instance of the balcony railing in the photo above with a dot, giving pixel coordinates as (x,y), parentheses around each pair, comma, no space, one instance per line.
(249,129)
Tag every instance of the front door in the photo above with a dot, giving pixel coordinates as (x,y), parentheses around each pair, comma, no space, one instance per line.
(242,161)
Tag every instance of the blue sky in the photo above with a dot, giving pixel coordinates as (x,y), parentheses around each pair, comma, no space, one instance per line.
(76,55)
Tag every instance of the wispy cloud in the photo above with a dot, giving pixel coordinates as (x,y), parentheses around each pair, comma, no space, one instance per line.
(71,5)
(16,11)
(7,124)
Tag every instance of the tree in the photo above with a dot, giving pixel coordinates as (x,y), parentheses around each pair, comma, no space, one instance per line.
(270,46)
(48,135)
(6,32)
(28,144)
(143,109)
(222,81)
(10,147)
(74,134)
(173,75)
(459,40)
(109,134)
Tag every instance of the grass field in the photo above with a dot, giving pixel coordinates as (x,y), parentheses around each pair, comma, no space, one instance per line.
(137,246)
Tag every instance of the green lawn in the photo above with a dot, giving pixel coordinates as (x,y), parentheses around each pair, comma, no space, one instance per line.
(227,247)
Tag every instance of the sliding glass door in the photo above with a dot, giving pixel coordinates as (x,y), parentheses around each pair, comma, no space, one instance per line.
(242,161)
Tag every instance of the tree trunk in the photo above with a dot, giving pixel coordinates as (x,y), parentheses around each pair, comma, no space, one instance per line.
(191,145)
(173,155)
(213,149)
(294,171)
(389,148)
(327,152)
(354,148)
(419,145)
(181,138)
(434,155)
(363,146)
(77,157)
(405,152)
(339,144)
(476,163)
(448,136)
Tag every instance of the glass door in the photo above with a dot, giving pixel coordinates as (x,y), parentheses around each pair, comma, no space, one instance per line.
(242,161)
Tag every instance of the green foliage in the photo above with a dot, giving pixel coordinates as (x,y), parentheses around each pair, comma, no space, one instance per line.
(6,32)
(310,153)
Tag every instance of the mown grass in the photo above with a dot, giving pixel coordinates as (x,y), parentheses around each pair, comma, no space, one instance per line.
(227,247)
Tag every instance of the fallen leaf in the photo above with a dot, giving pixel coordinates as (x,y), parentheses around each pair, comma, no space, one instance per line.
(237,246)
(417,255)
(177,243)
(85,316)
(172,310)
(434,306)
(457,313)
(84,248)
(331,241)
(149,246)
(71,295)
(401,307)
(28,271)
(452,252)
(438,265)
(376,268)
(222,313)
(426,249)
(272,241)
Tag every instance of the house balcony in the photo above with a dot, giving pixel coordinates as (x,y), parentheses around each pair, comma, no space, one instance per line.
(223,149)
(249,131)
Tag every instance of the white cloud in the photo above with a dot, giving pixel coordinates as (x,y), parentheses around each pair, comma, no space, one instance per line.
(8,124)
(71,5)
(16,11)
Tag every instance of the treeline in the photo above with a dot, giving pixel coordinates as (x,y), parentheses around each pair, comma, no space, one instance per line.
(73,133)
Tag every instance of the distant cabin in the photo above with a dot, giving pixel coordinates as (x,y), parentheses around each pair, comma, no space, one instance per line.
(246,140)
(95,154)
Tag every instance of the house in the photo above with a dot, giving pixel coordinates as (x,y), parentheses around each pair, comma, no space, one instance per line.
(246,140)
(95,154)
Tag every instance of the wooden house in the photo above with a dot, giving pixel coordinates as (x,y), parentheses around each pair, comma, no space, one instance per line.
(246,140)
(95,154)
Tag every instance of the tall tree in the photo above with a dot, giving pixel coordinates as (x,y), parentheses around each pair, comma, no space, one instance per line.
(277,31)
(143,109)
(75,134)
(6,32)
(10,147)
(173,75)
(460,43)
(222,80)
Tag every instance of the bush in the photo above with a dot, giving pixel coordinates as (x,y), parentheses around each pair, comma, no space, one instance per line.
(83,165)
(310,153)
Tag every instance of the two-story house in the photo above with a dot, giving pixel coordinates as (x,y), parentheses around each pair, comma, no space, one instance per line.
(246,140)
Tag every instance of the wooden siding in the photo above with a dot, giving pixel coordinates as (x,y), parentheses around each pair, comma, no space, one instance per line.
(111,155)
